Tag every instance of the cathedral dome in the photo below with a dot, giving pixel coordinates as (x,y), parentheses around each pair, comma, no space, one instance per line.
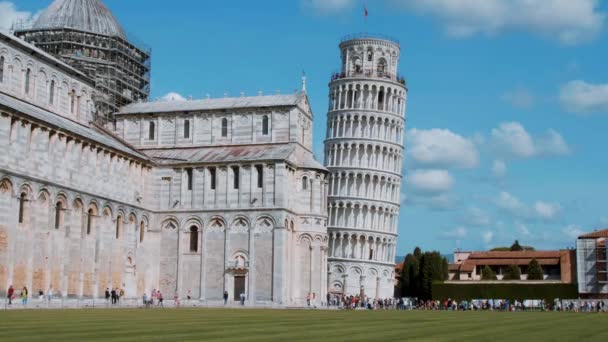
(85,15)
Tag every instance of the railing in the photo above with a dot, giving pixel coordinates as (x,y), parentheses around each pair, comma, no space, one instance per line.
(363,35)
(236,264)
(369,73)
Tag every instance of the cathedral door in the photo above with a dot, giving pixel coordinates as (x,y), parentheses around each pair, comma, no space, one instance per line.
(239,286)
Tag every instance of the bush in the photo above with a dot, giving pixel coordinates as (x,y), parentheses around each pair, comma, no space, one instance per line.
(511,291)
(512,273)
(487,273)
(535,272)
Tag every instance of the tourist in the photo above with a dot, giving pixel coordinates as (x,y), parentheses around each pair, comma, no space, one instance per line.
(308,299)
(49,293)
(121,293)
(113,295)
(160,299)
(314,300)
(40,295)
(242,298)
(24,295)
(9,294)
(107,294)
(145,300)
(328,297)
(176,300)
(153,296)
(225,297)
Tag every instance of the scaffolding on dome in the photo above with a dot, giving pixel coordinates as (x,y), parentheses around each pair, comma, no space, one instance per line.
(120,68)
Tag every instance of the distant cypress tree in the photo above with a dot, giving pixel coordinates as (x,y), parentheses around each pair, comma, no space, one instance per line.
(420,270)
(515,247)
(535,272)
(487,273)
(513,273)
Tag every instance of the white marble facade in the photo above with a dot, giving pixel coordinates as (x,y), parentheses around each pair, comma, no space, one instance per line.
(190,197)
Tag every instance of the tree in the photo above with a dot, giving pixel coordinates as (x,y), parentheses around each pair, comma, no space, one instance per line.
(487,273)
(512,273)
(516,247)
(535,272)
(420,270)
(409,275)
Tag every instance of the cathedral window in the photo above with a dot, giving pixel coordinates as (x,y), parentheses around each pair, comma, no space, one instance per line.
(370,55)
(52,92)
(235,172)
(22,200)
(259,169)
(151,129)
(118,226)
(90,221)
(142,229)
(212,175)
(193,239)
(371,254)
(265,125)
(1,69)
(58,214)
(28,76)
(381,67)
(73,102)
(224,127)
(304,183)
(189,179)
(186,129)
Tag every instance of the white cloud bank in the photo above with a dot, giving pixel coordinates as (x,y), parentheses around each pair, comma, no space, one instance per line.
(172,96)
(540,210)
(511,139)
(430,181)
(584,98)
(441,148)
(10,15)
(568,21)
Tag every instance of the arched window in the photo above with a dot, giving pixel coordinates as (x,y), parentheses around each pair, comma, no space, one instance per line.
(189,179)
(90,220)
(73,102)
(370,55)
(1,69)
(186,129)
(265,125)
(52,92)
(224,127)
(151,132)
(28,76)
(193,239)
(118,226)
(22,200)
(58,214)
(235,173)
(142,229)
(304,183)
(381,66)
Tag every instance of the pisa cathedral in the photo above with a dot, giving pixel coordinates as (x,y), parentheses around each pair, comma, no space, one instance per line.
(100,188)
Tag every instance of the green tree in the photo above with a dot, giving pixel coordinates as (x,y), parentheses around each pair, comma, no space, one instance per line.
(409,275)
(516,247)
(535,272)
(513,273)
(420,270)
(487,273)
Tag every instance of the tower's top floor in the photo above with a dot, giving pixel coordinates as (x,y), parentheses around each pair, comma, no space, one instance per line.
(367,55)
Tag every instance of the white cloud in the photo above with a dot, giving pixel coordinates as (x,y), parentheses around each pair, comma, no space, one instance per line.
(173,97)
(547,211)
(584,98)
(522,230)
(477,217)
(487,237)
(441,148)
(510,203)
(430,181)
(499,168)
(511,139)
(328,6)
(520,98)
(10,15)
(573,231)
(456,234)
(568,21)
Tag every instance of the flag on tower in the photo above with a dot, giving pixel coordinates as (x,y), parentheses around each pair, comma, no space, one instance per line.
(365,10)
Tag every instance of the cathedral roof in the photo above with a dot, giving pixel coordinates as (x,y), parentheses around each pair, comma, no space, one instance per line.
(212,104)
(85,15)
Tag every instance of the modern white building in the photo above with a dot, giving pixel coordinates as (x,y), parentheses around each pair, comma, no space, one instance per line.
(364,151)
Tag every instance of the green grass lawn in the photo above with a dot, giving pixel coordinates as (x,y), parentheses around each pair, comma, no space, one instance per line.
(297,325)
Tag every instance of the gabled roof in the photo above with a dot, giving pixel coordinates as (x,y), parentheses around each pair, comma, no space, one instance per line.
(61,123)
(595,235)
(212,104)
(221,154)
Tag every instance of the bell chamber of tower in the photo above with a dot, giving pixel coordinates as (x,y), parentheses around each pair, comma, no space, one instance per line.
(364,152)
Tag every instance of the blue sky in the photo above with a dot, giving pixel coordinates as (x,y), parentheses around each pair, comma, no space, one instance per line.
(507,107)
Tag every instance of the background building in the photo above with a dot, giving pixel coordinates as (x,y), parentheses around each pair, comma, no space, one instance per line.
(364,151)
(591,262)
(85,35)
(557,266)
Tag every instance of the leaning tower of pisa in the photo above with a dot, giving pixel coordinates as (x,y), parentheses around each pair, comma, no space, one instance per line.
(364,151)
